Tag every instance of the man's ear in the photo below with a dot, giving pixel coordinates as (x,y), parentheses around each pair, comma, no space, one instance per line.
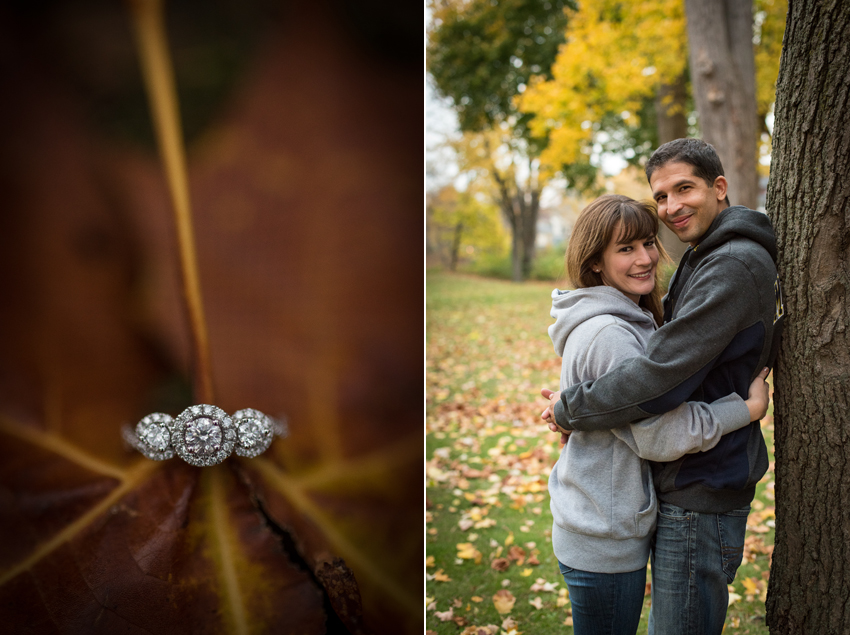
(720,186)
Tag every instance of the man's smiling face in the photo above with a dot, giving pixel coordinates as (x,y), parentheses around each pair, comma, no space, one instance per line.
(686,203)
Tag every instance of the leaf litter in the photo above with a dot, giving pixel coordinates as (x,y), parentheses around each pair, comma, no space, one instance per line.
(490,454)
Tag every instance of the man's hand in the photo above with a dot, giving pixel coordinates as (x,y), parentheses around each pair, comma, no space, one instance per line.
(548,415)
(759,396)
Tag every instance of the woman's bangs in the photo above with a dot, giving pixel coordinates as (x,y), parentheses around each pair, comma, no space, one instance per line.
(636,224)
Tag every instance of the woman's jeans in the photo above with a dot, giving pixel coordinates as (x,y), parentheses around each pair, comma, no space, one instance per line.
(694,557)
(605,603)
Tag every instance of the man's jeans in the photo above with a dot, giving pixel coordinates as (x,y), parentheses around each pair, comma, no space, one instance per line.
(605,603)
(694,557)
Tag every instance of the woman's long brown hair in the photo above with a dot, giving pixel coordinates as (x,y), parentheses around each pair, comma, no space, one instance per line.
(608,217)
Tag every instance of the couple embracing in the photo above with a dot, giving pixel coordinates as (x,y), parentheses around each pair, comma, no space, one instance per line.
(661,399)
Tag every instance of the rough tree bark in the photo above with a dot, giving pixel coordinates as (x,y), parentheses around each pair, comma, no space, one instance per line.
(720,39)
(809,202)
(670,105)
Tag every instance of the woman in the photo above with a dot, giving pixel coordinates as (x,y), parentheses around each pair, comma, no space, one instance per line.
(602,496)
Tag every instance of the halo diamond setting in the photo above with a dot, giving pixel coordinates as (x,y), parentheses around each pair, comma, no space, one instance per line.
(204,435)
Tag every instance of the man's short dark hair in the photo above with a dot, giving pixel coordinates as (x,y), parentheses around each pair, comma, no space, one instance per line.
(695,152)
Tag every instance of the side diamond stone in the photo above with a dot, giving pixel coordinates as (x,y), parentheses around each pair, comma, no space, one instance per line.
(251,433)
(157,436)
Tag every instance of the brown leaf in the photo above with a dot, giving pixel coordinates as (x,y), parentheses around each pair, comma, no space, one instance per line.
(500,564)
(517,554)
(307,228)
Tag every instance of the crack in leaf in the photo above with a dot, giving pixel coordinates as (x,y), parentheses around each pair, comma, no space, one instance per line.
(359,561)
(334,625)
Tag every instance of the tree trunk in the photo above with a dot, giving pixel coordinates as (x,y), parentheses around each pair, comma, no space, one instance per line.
(807,199)
(670,105)
(530,211)
(521,215)
(456,237)
(720,39)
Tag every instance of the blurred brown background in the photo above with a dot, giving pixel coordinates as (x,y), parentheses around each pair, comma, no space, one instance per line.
(304,135)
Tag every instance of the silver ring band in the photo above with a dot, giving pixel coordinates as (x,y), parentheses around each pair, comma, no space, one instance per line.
(204,435)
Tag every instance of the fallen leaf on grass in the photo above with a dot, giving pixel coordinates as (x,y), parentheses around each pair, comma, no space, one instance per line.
(536,603)
(440,576)
(563,598)
(467,551)
(541,585)
(750,586)
(444,616)
(526,572)
(504,601)
(517,554)
(500,564)
(509,623)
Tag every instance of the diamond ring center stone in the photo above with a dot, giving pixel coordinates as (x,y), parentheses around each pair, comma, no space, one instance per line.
(203,436)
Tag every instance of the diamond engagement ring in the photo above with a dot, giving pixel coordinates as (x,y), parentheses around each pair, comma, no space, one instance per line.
(204,435)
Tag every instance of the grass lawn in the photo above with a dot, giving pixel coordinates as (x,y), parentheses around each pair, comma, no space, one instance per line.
(489,554)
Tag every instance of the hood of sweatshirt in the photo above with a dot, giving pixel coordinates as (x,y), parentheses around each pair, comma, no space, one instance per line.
(571,308)
(740,221)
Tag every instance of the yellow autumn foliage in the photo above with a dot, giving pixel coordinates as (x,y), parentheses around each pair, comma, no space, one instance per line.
(616,56)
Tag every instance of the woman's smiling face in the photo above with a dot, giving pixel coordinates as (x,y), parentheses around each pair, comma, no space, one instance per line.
(629,267)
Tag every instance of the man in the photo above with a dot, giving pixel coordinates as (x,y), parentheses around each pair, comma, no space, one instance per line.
(722,321)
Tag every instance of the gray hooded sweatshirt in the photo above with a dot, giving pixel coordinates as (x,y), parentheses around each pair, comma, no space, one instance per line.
(602,497)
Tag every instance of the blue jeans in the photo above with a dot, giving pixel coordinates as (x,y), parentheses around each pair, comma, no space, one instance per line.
(694,557)
(605,603)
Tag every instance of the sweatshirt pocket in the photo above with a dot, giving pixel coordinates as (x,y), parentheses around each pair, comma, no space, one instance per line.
(646,518)
(633,502)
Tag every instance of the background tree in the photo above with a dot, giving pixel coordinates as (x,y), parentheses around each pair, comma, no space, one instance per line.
(621,81)
(720,34)
(459,222)
(616,81)
(482,55)
(808,202)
